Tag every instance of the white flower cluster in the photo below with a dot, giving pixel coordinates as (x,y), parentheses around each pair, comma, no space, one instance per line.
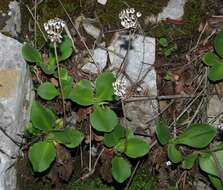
(120,87)
(129,18)
(54,28)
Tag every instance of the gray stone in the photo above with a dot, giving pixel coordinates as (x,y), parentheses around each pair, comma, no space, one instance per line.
(173,10)
(138,67)
(15,95)
(13,19)
(100,58)
(215,107)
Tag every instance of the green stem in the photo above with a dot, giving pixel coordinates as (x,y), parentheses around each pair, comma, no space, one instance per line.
(61,87)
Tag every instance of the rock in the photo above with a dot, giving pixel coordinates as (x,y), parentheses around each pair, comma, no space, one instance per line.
(215,107)
(140,58)
(100,57)
(173,10)
(13,20)
(103,2)
(15,95)
(138,67)
(90,28)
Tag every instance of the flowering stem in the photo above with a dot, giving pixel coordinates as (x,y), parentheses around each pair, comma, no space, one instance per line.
(61,87)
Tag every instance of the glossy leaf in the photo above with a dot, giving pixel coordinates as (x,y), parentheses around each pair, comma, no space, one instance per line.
(70,137)
(41,155)
(208,165)
(216,182)
(112,138)
(103,119)
(211,59)
(197,136)
(216,72)
(31,54)
(41,117)
(121,169)
(82,93)
(162,132)
(47,91)
(218,41)
(174,155)
(65,48)
(104,88)
(188,161)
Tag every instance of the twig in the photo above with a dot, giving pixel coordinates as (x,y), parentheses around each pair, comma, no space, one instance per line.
(9,137)
(94,167)
(61,87)
(81,38)
(37,23)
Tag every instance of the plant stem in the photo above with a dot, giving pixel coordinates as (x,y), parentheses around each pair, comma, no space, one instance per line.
(61,87)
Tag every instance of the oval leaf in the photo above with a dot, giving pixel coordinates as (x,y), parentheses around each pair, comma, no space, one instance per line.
(103,119)
(208,165)
(197,135)
(47,91)
(162,132)
(82,94)
(216,72)
(41,155)
(218,41)
(112,138)
(70,137)
(65,48)
(188,162)
(211,59)
(41,117)
(104,88)
(136,147)
(216,182)
(174,155)
(121,169)
(31,54)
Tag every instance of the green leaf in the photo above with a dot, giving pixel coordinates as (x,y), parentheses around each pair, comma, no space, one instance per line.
(103,119)
(41,155)
(82,93)
(162,132)
(31,54)
(136,147)
(197,135)
(216,72)
(188,161)
(47,91)
(216,182)
(208,165)
(121,169)
(163,42)
(41,117)
(174,155)
(65,48)
(70,137)
(48,69)
(104,88)
(112,138)
(211,59)
(218,41)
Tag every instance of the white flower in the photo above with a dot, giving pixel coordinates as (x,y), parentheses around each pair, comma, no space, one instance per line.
(129,18)
(54,28)
(168,163)
(120,87)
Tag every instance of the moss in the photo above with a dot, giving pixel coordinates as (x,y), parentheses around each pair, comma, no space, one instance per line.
(192,16)
(109,14)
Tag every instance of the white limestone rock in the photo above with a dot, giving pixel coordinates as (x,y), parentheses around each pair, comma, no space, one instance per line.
(138,67)
(173,10)
(15,95)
